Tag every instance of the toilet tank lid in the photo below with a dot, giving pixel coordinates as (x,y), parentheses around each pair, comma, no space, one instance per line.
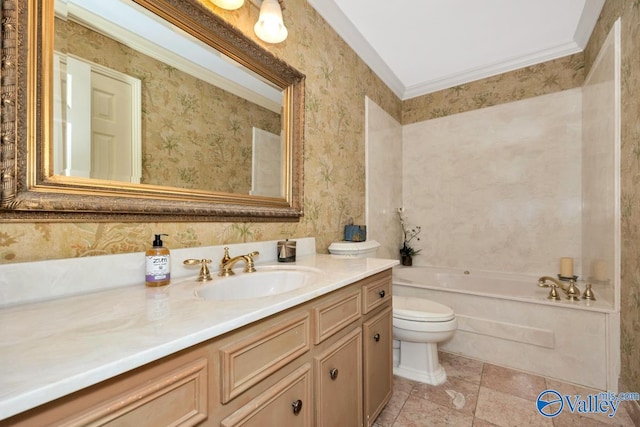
(353,247)
(421,310)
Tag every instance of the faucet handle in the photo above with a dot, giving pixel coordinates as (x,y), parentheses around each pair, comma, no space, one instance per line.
(226,257)
(588,293)
(573,293)
(553,293)
(249,267)
(204,274)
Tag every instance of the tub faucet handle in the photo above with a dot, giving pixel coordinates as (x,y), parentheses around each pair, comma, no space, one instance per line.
(573,293)
(553,293)
(588,293)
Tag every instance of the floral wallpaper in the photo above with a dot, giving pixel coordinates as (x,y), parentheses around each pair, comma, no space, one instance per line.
(540,79)
(337,81)
(194,134)
(629,11)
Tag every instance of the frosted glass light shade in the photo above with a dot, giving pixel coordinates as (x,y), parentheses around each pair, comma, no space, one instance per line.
(270,27)
(228,4)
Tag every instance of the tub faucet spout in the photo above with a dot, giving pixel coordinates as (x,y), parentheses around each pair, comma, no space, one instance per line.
(571,290)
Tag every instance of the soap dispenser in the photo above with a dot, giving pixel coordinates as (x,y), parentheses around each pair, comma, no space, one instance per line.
(158,264)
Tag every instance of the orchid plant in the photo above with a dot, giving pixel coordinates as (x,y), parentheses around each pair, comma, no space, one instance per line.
(409,233)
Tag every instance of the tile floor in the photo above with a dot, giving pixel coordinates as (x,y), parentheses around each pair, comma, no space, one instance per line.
(494,396)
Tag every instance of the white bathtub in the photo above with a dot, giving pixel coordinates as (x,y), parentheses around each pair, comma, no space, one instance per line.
(507,320)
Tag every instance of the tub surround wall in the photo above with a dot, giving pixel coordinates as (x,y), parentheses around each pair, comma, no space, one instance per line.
(384,179)
(497,188)
(601,168)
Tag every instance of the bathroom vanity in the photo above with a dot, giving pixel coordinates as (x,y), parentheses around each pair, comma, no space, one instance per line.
(320,355)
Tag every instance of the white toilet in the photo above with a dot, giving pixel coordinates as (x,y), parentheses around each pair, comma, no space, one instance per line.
(418,326)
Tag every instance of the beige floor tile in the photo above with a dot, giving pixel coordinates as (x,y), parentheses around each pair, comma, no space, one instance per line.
(510,381)
(390,412)
(439,395)
(507,410)
(461,367)
(403,384)
(418,412)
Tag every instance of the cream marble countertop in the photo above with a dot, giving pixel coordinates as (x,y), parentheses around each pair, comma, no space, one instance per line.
(52,348)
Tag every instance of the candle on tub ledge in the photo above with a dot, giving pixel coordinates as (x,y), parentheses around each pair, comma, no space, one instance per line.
(566,267)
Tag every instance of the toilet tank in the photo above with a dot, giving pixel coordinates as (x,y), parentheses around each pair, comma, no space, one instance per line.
(366,249)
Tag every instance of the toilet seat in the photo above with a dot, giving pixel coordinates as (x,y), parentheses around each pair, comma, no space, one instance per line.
(421,310)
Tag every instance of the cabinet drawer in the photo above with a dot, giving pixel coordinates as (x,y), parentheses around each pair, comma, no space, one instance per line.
(288,403)
(177,397)
(376,291)
(250,360)
(335,314)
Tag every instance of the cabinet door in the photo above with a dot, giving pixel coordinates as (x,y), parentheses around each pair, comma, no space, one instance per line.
(378,363)
(288,403)
(338,383)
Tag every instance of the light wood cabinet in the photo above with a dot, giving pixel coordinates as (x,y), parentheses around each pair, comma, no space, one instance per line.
(171,393)
(326,362)
(338,383)
(378,363)
(288,403)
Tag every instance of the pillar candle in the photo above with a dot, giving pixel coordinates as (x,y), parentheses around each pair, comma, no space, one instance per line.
(566,267)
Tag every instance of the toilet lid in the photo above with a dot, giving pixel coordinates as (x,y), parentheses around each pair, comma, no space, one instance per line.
(420,310)
(353,248)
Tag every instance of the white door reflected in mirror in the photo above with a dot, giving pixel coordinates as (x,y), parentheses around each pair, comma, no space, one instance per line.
(97,114)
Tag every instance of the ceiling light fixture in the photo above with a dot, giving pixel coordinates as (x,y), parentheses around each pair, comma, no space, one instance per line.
(228,4)
(270,27)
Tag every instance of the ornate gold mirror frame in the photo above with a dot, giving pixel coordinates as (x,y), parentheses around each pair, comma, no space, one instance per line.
(30,193)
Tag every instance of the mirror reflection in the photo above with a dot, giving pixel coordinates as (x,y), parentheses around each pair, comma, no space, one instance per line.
(133,102)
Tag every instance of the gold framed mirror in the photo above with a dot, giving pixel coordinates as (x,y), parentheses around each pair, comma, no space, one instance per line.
(182,169)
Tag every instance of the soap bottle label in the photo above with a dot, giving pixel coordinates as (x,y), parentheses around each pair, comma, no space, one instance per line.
(158,268)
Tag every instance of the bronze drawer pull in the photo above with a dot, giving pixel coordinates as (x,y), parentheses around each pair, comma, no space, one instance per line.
(333,374)
(297,406)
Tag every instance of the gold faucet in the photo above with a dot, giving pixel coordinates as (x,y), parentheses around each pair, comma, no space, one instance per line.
(227,263)
(571,290)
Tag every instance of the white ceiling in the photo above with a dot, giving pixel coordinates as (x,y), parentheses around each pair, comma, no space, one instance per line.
(421,46)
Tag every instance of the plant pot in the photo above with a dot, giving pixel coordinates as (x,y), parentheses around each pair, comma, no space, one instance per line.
(407,260)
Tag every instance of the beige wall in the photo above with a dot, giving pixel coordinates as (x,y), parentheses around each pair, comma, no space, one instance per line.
(497,188)
(629,11)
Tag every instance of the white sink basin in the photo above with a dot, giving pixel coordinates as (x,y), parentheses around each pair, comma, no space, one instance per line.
(267,281)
